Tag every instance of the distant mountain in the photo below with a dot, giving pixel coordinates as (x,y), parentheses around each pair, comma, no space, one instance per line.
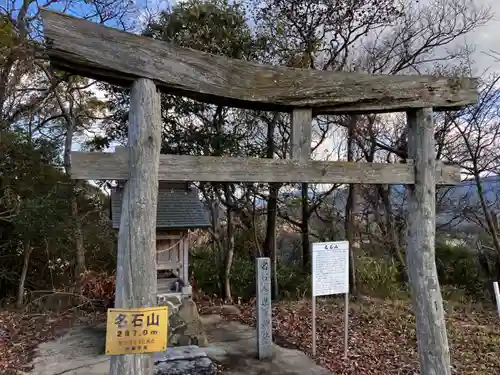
(452,201)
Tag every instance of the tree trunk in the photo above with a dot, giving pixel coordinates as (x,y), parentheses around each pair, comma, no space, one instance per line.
(432,340)
(22,280)
(490,222)
(349,209)
(229,254)
(272,209)
(392,233)
(270,242)
(304,227)
(136,266)
(76,222)
(79,244)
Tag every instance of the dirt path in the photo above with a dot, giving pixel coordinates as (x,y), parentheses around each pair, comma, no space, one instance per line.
(80,352)
(234,345)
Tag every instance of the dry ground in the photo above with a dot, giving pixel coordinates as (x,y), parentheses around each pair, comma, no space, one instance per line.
(382,335)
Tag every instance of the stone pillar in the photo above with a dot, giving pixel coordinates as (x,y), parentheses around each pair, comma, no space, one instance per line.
(264,309)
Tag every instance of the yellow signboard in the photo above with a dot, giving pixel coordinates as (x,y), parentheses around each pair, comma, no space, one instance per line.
(136,330)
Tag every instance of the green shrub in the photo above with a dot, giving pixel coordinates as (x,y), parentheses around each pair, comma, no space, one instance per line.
(377,276)
(458,268)
(292,282)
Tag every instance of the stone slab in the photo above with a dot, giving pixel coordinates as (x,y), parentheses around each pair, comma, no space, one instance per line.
(199,366)
(180,352)
(183,360)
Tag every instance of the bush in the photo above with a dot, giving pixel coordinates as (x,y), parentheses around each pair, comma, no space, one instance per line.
(377,276)
(458,268)
(292,282)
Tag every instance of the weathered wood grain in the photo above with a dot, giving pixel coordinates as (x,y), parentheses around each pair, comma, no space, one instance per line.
(301,133)
(110,55)
(113,166)
(432,340)
(136,259)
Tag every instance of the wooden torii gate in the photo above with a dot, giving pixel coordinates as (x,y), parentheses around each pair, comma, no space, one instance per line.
(147,65)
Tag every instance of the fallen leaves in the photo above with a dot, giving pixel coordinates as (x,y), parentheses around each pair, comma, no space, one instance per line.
(21,333)
(381,336)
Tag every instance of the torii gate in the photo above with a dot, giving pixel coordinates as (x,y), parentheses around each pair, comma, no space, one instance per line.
(146,65)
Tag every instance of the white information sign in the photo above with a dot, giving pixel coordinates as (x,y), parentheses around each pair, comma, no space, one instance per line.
(330,268)
(330,275)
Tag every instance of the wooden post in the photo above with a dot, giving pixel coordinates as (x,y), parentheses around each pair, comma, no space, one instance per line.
(136,267)
(185,258)
(300,139)
(432,340)
(300,136)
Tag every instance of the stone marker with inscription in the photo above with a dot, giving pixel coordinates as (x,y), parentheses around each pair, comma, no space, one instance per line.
(263,308)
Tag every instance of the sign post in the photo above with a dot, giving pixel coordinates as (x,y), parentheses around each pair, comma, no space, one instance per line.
(497,296)
(330,275)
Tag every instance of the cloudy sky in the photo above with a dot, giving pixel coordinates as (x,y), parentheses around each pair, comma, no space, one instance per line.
(487,38)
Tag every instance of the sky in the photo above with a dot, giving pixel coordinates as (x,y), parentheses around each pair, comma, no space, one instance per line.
(485,39)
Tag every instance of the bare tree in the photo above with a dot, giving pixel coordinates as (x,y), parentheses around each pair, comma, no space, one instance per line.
(473,142)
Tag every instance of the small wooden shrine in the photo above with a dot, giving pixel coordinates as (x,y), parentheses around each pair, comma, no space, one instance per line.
(179,210)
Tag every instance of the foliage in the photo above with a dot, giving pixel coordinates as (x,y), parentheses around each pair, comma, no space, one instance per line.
(458,267)
(34,200)
(377,276)
(292,281)
(99,287)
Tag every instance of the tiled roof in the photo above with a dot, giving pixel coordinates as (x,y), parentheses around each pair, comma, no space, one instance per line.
(177,209)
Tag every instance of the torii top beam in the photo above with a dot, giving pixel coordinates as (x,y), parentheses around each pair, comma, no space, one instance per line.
(118,57)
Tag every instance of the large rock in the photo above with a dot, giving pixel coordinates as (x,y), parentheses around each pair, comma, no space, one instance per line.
(183,360)
(184,324)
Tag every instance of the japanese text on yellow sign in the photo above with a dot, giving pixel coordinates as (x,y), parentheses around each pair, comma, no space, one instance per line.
(136,330)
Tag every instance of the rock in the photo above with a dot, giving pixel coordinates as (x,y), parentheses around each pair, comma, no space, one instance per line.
(184,324)
(230,310)
(183,360)
(4,335)
(172,309)
(188,311)
(184,340)
(201,366)
(202,340)
(181,352)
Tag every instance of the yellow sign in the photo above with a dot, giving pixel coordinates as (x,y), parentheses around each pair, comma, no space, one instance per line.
(139,330)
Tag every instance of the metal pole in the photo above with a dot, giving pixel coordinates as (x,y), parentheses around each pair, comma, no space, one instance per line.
(346,325)
(314,326)
(497,296)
